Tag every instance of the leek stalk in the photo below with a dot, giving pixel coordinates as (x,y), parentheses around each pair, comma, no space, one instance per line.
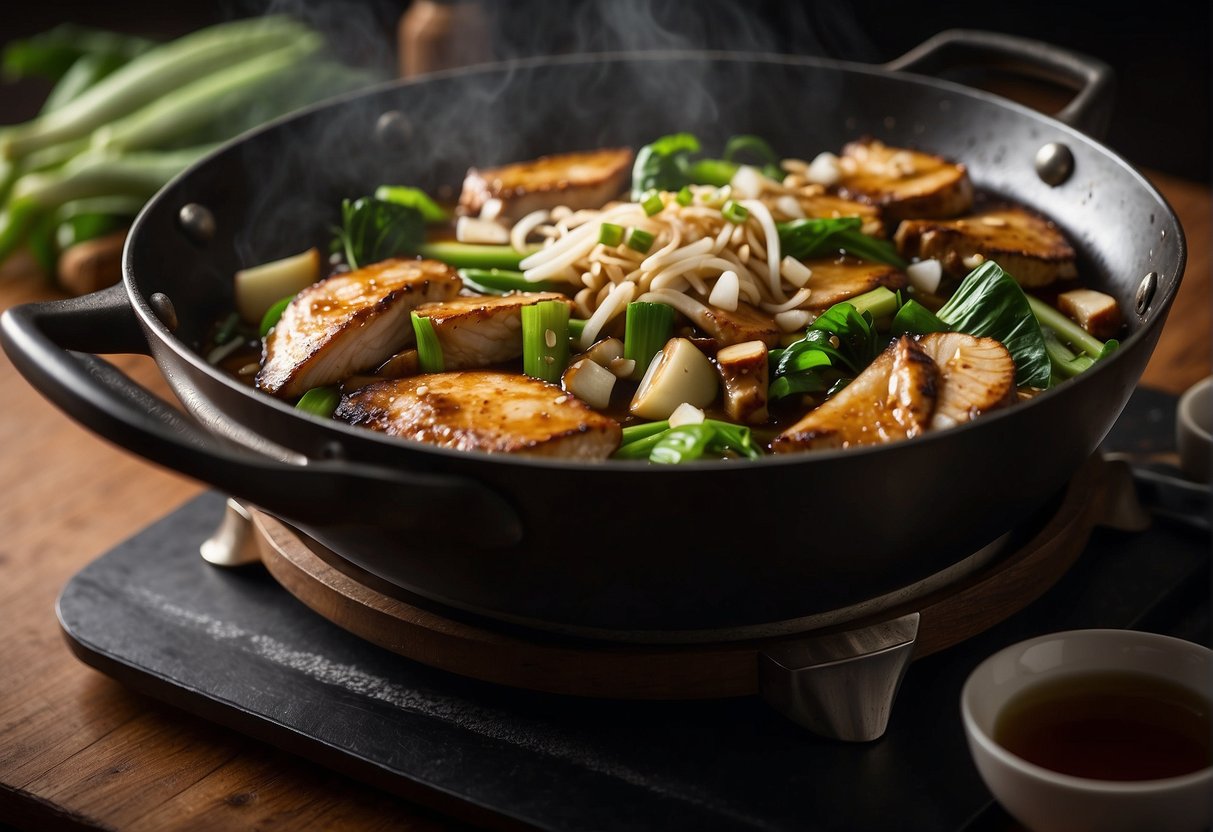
(545,339)
(647,327)
(474,256)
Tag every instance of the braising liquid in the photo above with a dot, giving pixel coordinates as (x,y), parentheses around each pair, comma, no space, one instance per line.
(1109,726)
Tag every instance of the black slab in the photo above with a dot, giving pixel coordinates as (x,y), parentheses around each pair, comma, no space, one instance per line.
(236,648)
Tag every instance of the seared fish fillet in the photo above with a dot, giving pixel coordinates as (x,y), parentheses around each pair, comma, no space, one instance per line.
(484,411)
(841,278)
(349,322)
(1026,245)
(745,323)
(904,183)
(579,180)
(478,331)
(976,375)
(892,399)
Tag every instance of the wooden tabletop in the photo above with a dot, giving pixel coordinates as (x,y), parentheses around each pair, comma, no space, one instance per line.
(79,749)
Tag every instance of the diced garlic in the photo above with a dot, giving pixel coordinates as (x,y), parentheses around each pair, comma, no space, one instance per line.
(491,210)
(925,275)
(686,414)
(973,261)
(725,293)
(825,169)
(793,320)
(589,382)
(789,206)
(794,271)
(475,230)
(747,182)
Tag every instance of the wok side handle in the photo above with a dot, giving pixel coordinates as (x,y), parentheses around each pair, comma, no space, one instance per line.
(1092,80)
(41,340)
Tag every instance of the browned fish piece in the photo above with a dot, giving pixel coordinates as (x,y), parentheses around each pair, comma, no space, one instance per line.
(837,279)
(1026,245)
(484,411)
(586,179)
(904,183)
(476,331)
(744,372)
(892,399)
(745,323)
(832,206)
(976,375)
(349,322)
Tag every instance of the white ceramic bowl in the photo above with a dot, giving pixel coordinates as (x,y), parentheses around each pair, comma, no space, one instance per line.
(1045,800)
(1194,430)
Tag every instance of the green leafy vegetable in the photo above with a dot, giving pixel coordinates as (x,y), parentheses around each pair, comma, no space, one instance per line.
(272,315)
(373,230)
(990,303)
(716,172)
(915,319)
(819,237)
(758,150)
(836,348)
(430,210)
(664,164)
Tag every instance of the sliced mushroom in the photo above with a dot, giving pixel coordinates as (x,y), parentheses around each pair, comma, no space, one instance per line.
(904,183)
(892,399)
(976,375)
(744,371)
(1026,245)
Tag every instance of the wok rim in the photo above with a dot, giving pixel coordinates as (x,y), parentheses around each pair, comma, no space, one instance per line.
(1160,303)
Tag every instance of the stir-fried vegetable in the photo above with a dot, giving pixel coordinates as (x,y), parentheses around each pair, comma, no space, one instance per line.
(836,348)
(545,339)
(710,439)
(430,210)
(429,349)
(808,238)
(373,230)
(320,401)
(647,327)
(667,164)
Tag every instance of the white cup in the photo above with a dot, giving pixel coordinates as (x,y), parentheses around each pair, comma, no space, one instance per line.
(1194,430)
(1045,800)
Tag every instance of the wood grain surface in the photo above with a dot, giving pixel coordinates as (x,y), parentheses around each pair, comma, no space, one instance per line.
(79,750)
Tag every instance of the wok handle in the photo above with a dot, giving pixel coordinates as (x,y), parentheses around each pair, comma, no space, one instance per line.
(42,340)
(1092,80)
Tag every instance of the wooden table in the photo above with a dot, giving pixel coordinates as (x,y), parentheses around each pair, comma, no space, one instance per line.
(79,749)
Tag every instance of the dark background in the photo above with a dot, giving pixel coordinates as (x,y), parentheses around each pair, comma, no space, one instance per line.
(1159,50)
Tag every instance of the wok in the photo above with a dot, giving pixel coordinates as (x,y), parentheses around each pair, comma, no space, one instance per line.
(615,550)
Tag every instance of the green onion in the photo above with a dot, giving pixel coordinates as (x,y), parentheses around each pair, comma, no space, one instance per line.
(501,281)
(320,401)
(879,302)
(651,203)
(227,329)
(716,172)
(647,328)
(735,212)
(429,349)
(633,433)
(685,196)
(611,234)
(1064,362)
(84,73)
(1068,330)
(430,210)
(272,315)
(157,73)
(576,327)
(54,53)
(475,256)
(642,447)
(640,240)
(545,339)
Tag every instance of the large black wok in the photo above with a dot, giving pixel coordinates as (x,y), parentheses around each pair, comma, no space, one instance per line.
(612,548)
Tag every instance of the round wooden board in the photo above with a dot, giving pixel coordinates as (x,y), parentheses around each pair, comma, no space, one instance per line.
(363,604)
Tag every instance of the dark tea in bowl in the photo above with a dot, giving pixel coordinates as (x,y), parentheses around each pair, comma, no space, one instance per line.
(1096,729)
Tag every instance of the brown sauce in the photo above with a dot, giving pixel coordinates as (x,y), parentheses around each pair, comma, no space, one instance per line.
(1109,726)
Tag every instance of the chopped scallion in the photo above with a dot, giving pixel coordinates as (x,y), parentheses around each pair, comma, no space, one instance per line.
(685,196)
(576,327)
(474,255)
(647,328)
(545,339)
(634,433)
(640,240)
(735,212)
(651,203)
(879,302)
(429,350)
(320,401)
(611,234)
(500,281)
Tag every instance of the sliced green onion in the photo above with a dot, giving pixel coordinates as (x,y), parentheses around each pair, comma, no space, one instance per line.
(501,281)
(685,196)
(647,327)
(651,203)
(611,234)
(270,319)
(430,210)
(545,339)
(640,240)
(475,256)
(429,349)
(641,448)
(320,401)
(735,212)
(880,302)
(576,327)
(227,329)
(633,433)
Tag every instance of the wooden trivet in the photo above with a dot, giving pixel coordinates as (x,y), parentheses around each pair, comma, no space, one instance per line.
(363,604)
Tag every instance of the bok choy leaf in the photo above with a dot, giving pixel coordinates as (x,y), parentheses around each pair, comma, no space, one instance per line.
(835,349)
(820,237)
(374,229)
